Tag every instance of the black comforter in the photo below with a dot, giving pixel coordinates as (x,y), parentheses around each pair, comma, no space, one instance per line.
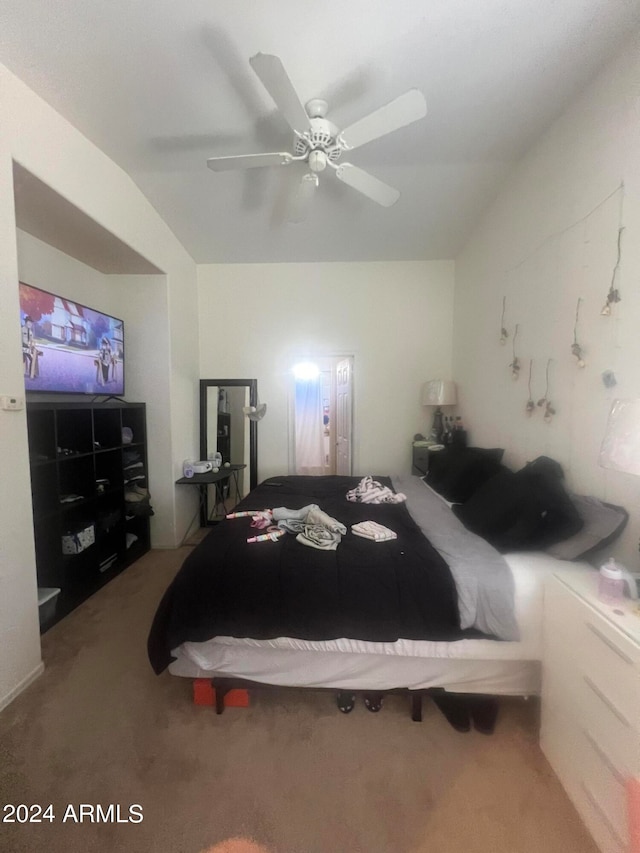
(376,591)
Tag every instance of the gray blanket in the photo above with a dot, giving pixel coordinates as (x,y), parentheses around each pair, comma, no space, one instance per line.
(483,578)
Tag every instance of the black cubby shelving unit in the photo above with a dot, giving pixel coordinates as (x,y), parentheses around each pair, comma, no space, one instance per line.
(78,481)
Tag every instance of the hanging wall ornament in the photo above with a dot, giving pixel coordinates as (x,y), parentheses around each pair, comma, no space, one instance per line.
(543,400)
(549,410)
(576,349)
(613,295)
(503,332)
(515,364)
(530,407)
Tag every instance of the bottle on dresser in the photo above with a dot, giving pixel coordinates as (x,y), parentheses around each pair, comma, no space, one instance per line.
(447,438)
(458,433)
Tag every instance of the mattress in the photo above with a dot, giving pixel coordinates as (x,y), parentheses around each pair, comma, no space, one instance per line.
(466,665)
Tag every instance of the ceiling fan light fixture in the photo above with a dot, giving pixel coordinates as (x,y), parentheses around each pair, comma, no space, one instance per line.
(317,161)
(316,108)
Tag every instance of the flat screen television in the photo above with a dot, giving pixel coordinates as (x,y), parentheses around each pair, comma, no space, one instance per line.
(69,348)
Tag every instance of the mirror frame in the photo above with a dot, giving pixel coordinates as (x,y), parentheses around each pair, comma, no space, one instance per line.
(252,385)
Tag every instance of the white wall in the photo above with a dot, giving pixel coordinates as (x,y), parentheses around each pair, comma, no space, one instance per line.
(549,239)
(43,266)
(46,145)
(257,320)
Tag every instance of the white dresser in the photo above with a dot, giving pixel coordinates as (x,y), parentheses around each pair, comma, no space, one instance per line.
(590,728)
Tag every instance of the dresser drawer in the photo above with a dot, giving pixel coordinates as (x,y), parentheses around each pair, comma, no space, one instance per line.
(609,660)
(599,825)
(421,459)
(617,737)
(605,786)
(588,778)
(576,636)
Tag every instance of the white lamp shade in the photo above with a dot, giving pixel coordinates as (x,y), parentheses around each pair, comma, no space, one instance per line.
(621,445)
(439,392)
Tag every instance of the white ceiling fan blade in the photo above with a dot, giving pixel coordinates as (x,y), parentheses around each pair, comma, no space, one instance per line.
(401,111)
(365,183)
(303,198)
(276,81)
(249,161)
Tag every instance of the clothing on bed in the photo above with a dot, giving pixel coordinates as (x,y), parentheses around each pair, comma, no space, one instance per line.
(359,590)
(373,530)
(370,491)
(313,527)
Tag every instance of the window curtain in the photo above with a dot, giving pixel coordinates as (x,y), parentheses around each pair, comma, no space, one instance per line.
(310,455)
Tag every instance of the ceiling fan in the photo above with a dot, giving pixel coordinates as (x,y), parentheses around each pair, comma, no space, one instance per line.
(319,143)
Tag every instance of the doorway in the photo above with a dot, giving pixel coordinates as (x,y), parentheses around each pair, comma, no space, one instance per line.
(321,416)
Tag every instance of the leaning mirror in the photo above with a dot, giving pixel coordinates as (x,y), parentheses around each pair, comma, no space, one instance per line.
(225,429)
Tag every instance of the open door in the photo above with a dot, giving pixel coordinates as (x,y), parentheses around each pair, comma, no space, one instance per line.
(320,416)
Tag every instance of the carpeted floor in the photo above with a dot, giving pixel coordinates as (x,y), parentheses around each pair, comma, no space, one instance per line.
(290,773)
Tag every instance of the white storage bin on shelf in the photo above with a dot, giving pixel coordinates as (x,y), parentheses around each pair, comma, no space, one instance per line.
(47,600)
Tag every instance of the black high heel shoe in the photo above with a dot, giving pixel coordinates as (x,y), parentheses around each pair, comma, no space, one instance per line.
(345,702)
(373,702)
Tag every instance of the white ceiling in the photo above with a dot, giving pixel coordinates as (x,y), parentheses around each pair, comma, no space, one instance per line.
(161,85)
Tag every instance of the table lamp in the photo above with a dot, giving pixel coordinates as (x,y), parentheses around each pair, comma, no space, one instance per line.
(438,392)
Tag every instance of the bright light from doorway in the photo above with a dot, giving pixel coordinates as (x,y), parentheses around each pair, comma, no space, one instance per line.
(306,370)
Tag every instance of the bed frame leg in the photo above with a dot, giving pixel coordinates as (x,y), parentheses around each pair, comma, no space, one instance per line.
(219,692)
(416,707)
(227,695)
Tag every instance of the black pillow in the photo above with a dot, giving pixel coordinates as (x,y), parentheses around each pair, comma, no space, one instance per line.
(456,472)
(524,510)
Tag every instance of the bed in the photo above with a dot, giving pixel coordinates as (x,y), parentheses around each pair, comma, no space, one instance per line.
(436,607)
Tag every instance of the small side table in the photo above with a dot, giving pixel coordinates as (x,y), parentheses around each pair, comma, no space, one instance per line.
(420,459)
(211,478)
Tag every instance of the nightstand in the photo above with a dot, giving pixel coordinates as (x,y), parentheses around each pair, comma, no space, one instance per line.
(420,459)
(590,729)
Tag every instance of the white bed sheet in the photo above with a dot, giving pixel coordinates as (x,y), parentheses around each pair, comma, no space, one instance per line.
(473,666)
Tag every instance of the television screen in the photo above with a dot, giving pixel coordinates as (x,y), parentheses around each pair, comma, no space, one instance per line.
(69,348)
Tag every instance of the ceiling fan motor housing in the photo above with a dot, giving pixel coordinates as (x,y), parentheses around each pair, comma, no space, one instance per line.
(321,137)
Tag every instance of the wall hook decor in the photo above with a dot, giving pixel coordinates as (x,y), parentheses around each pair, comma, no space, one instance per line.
(515,364)
(503,332)
(576,349)
(530,407)
(613,295)
(549,410)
